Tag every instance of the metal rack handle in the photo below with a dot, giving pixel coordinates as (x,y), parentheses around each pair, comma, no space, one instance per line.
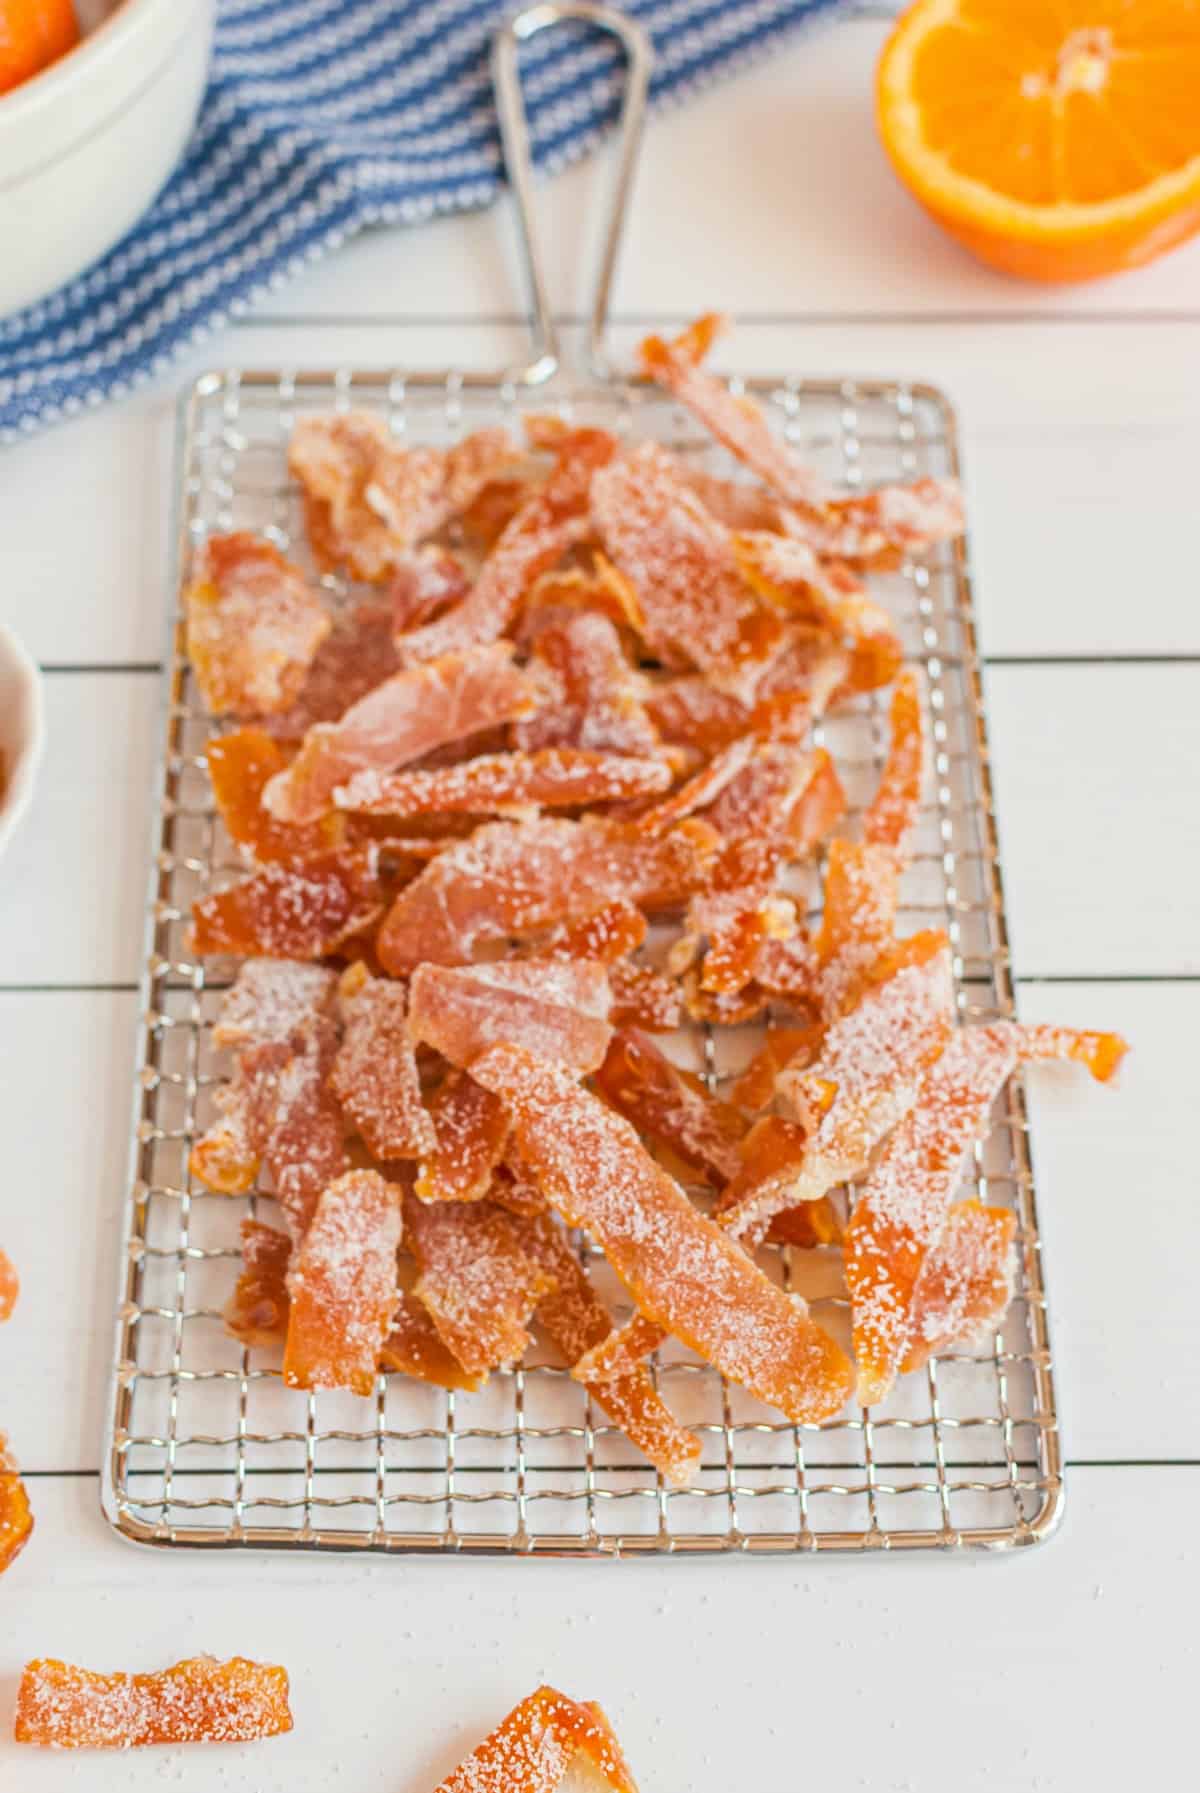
(514,135)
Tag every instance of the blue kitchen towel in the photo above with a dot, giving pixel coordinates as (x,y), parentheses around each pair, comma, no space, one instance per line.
(322,117)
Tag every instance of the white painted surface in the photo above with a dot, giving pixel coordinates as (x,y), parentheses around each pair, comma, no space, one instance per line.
(1079,421)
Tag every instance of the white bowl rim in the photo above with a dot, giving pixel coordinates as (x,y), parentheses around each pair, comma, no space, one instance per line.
(110,39)
(21,772)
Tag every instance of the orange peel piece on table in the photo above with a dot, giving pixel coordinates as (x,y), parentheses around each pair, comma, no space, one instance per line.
(557,1008)
(257,1311)
(253,626)
(300,911)
(865,1080)
(374,1075)
(900,1215)
(578,1322)
(966,1282)
(369,499)
(240,766)
(533,1749)
(597,702)
(891,816)
(10,1286)
(200,1700)
(694,604)
(418,709)
(514,879)
(683,1272)
(478,1280)
(16,1515)
(507,783)
(671,1106)
(737,423)
(547,524)
(343,1286)
(470,1130)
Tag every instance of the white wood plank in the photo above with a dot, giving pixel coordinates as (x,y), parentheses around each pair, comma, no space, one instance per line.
(72,897)
(769,193)
(1095,775)
(944,1675)
(1120,1223)
(65,1103)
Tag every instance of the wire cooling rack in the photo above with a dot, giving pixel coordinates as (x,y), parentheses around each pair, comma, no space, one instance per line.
(206,1446)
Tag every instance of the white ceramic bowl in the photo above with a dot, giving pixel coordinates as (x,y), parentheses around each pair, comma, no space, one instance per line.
(21,731)
(86,145)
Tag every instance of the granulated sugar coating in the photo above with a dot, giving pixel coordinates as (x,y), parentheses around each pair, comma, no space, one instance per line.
(299,911)
(253,626)
(375,1074)
(200,1700)
(557,1008)
(343,1286)
(532,1749)
(471,1128)
(683,1272)
(269,998)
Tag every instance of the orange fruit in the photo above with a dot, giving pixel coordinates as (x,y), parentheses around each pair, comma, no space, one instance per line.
(1057,139)
(33,34)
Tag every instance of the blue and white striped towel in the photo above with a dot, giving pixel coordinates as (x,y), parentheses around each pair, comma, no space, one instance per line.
(322,117)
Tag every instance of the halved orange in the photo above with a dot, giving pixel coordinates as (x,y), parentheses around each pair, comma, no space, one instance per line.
(1057,139)
(33,34)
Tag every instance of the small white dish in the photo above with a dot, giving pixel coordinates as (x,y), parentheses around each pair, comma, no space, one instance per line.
(86,144)
(22,731)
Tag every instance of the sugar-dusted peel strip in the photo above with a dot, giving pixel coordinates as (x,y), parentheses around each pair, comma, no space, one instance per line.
(683,1272)
(253,626)
(300,911)
(257,1311)
(240,766)
(966,1282)
(10,1286)
(531,1751)
(409,715)
(558,1008)
(531,544)
(694,605)
(478,1281)
(516,879)
(498,783)
(670,1106)
(737,423)
(374,1075)
(470,1127)
(199,1700)
(891,817)
(16,1515)
(414,1347)
(598,697)
(269,999)
(343,1286)
(578,1322)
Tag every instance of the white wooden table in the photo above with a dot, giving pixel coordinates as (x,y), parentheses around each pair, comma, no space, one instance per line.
(1080,413)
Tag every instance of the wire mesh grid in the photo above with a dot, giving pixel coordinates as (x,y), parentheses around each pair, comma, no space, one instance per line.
(207,1447)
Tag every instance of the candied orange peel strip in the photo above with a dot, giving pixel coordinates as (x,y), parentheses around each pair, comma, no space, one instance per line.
(507,783)
(966,1282)
(597,699)
(16,1515)
(892,815)
(694,604)
(533,1749)
(357,654)
(414,1347)
(671,1106)
(374,1075)
(644,997)
(606,935)
(199,1700)
(257,1311)
(270,998)
(10,1286)
(558,1008)
(253,626)
(410,714)
(343,1286)
(300,911)
(240,766)
(478,1281)
(470,1128)
(683,1272)
(514,879)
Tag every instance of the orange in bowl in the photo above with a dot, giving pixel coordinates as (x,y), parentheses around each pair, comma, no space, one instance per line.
(1057,141)
(33,34)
